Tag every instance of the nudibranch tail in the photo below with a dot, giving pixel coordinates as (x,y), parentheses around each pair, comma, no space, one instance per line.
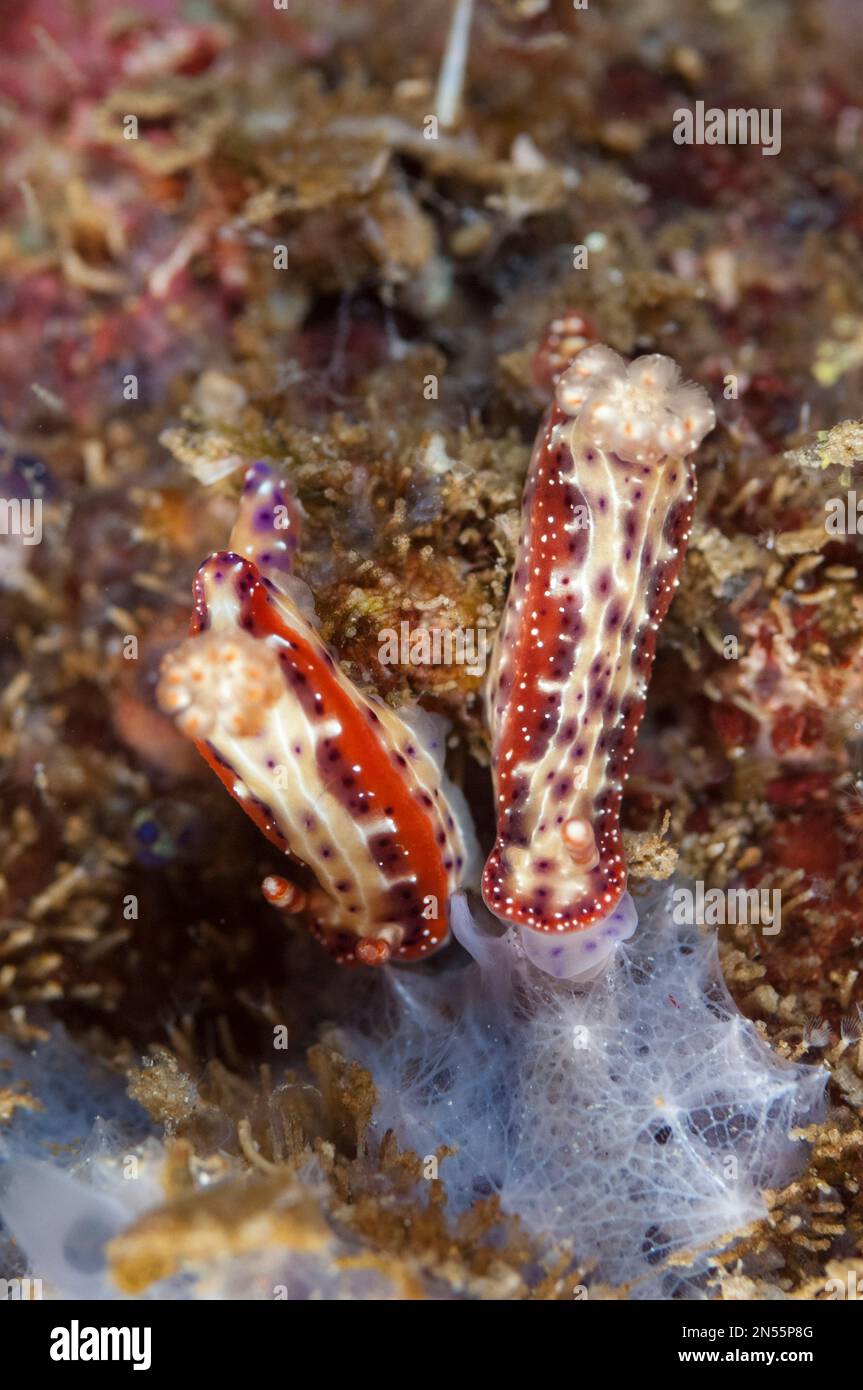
(607,513)
(339,782)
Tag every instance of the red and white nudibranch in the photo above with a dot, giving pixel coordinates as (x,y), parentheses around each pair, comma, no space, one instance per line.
(607,513)
(338,781)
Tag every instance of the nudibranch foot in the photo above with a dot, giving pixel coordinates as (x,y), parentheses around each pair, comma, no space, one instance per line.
(336,780)
(607,513)
(581,956)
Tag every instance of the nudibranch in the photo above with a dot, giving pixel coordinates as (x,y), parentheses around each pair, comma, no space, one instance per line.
(607,512)
(337,780)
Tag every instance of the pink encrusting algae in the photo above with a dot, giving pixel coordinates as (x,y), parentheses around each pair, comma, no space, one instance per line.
(607,512)
(336,780)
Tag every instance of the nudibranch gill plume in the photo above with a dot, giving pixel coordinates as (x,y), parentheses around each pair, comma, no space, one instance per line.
(607,512)
(338,781)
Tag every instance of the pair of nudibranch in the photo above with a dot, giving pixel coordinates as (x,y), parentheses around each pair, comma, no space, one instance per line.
(356,791)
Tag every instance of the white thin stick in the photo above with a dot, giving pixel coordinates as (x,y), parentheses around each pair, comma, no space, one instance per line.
(451,79)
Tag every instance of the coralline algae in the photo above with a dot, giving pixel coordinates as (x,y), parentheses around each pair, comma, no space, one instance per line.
(635,1119)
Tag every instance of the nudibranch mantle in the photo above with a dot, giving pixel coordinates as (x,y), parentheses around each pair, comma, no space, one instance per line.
(607,513)
(339,781)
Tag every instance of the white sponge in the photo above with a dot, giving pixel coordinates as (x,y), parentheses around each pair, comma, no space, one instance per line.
(638,1117)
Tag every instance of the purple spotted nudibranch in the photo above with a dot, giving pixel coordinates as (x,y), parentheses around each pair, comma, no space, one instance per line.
(607,512)
(341,783)
(355,792)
